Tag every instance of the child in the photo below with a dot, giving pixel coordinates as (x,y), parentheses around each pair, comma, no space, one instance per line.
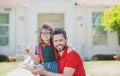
(44,53)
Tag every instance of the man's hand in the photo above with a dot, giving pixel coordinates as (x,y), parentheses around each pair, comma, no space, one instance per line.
(37,69)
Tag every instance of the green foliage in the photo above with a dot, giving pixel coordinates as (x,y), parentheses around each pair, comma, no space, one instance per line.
(111,18)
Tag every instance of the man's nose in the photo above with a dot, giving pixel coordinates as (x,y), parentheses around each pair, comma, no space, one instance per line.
(59,42)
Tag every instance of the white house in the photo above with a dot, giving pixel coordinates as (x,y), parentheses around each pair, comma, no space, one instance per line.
(19,20)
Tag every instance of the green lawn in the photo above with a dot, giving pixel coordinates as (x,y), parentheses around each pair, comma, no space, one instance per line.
(103,68)
(6,67)
(93,68)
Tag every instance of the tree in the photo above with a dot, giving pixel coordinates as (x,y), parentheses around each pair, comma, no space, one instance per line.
(111,19)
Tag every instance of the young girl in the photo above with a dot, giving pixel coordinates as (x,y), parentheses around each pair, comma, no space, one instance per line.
(44,53)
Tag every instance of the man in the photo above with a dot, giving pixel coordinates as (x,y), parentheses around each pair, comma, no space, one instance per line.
(69,62)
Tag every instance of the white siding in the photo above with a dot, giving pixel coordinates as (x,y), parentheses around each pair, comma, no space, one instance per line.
(77,23)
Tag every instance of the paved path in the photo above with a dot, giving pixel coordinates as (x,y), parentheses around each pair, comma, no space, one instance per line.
(20,72)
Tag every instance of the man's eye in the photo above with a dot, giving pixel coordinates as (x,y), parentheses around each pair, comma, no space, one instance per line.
(55,40)
(61,40)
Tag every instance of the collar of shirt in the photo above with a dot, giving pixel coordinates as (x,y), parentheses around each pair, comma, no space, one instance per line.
(46,44)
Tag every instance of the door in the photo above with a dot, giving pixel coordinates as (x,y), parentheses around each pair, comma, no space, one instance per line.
(55,19)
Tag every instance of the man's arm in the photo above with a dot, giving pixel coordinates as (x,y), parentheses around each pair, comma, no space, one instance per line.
(67,72)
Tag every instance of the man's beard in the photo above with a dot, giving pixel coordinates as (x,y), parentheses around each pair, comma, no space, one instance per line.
(60,49)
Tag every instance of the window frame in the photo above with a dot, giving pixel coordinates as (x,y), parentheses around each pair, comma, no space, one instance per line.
(97,34)
(6,25)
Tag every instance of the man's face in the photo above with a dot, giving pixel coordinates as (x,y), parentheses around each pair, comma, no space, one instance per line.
(59,42)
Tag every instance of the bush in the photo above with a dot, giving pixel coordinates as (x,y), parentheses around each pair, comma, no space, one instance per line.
(3,58)
(103,57)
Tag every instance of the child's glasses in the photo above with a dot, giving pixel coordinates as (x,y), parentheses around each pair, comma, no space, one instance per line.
(46,33)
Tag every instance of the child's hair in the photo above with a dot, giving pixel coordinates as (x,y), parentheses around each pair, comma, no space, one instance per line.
(47,26)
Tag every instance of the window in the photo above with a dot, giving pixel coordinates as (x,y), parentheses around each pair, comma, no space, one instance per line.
(99,35)
(4,29)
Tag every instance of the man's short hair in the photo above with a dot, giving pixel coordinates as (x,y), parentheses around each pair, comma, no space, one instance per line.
(60,31)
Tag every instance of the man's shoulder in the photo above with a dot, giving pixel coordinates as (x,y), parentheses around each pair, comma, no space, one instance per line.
(72,52)
(70,49)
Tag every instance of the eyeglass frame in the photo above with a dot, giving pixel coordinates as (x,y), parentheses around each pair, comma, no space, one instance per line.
(45,33)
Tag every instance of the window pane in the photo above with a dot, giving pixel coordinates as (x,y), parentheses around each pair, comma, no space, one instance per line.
(96,17)
(3,41)
(99,40)
(3,30)
(4,18)
(97,29)
(99,35)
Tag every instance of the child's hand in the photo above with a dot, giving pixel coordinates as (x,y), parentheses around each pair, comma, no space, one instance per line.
(27,51)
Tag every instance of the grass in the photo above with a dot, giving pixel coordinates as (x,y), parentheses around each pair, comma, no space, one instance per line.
(6,67)
(93,68)
(103,68)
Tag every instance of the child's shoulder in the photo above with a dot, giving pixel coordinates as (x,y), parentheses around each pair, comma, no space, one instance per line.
(37,45)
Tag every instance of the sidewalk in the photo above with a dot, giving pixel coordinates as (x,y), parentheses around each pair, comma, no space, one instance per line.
(20,72)
(23,69)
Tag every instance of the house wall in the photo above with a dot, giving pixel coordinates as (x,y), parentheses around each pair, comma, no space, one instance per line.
(8,49)
(77,23)
(17,31)
(21,32)
(80,30)
(37,7)
(88,49)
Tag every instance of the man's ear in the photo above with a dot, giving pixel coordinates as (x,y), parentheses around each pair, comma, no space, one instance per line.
(66,39)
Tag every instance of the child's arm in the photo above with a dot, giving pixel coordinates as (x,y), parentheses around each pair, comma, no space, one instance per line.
(35,58)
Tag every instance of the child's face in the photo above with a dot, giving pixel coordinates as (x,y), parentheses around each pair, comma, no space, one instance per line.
(45,35)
